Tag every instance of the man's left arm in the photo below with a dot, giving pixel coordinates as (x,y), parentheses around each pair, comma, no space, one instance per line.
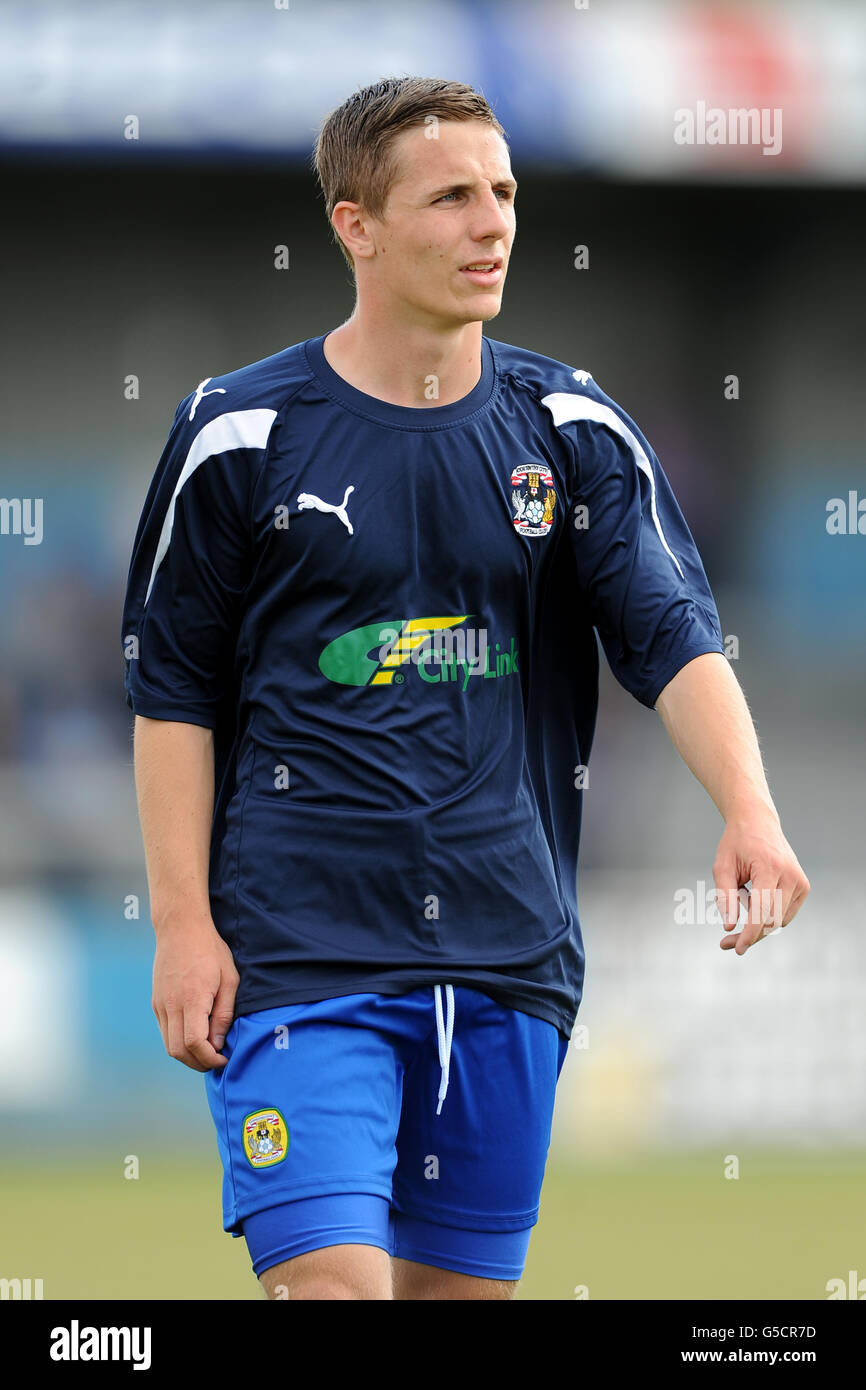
(705,713)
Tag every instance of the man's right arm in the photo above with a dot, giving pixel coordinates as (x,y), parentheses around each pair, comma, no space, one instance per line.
(194,975)
(191,565)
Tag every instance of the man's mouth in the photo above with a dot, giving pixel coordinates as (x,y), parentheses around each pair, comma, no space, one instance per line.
(483,272)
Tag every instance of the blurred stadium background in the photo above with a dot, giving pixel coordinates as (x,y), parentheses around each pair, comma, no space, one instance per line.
(153,258)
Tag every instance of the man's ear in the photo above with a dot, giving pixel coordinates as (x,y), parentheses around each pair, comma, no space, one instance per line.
(351,223)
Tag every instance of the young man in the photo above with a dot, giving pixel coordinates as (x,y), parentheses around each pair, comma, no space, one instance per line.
(363,595)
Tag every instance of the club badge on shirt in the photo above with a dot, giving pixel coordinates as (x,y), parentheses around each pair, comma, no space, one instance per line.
(533,499)
(266,1138)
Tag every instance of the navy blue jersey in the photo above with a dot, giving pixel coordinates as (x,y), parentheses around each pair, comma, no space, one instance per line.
(386,615)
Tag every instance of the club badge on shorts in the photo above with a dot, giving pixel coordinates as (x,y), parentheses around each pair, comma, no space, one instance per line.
(266,1138)
(533,499)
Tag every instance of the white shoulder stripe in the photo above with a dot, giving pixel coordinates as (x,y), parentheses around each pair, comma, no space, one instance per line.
(565,406)
(239,429)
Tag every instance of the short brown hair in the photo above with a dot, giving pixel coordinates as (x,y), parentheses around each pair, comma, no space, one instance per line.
(353,156)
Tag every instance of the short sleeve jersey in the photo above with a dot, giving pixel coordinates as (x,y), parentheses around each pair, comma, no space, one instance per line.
(387,615)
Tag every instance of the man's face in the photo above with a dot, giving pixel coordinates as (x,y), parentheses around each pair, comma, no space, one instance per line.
(451,206)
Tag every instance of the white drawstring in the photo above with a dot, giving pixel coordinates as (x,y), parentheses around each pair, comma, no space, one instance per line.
(444,1036)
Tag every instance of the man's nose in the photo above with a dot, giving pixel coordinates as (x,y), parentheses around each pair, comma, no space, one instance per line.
(492,216)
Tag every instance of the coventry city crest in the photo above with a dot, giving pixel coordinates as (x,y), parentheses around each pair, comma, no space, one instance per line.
(266,1138)
(533,499)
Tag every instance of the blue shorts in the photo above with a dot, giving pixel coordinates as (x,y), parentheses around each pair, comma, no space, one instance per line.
(416,1122)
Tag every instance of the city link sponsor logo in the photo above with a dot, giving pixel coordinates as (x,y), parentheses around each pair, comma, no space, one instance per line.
(440,650)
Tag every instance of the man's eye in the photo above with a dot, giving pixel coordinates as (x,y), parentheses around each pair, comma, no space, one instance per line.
(504,193)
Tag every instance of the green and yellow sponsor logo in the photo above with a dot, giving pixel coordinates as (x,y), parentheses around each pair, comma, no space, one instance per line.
(436,648)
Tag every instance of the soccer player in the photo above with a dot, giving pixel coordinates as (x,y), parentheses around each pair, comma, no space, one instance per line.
(361,654)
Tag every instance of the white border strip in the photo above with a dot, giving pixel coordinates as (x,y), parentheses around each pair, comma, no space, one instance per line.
(565,406)
(239,429)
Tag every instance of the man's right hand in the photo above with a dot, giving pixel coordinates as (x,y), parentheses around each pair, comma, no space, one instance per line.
(194,986)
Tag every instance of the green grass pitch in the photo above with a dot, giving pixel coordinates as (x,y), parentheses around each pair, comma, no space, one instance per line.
(662,1228)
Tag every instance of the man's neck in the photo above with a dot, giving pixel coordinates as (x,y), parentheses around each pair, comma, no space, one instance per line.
(413,365)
